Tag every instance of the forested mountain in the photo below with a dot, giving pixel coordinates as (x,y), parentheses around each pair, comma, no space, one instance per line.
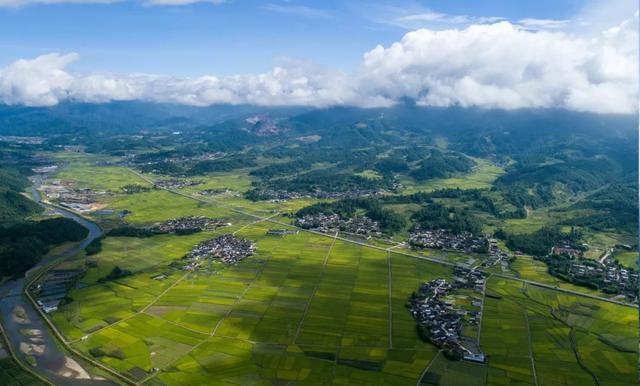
(547,156)
(13,205)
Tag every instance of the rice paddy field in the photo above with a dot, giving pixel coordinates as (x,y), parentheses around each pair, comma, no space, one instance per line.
(559,339)
(305,308)
(313,309)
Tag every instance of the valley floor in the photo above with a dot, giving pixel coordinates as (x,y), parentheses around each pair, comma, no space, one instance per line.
(315,309)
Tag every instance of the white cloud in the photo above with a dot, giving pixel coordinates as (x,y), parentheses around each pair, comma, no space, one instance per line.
(37,82)
(500,65)
(504,66)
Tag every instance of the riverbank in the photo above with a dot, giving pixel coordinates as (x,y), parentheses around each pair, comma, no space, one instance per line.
(27,332)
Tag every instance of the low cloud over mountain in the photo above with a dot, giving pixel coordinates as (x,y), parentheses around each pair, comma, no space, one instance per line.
(499,65)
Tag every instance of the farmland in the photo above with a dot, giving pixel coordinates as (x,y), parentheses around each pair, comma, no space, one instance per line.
(315,309)
(312,309)
(529,330)
(279,315)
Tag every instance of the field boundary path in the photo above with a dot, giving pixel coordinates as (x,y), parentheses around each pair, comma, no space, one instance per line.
(426,369)
(431,259)
(533,360)
(335,237)
(315,289)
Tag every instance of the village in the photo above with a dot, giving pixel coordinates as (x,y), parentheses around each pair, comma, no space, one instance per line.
(176,156)
(189,224)
(172,183)
(440,322)
(609,275)
(227,248)
(463,242)
(273,195)
(443,239)
(331,223)
(569,263)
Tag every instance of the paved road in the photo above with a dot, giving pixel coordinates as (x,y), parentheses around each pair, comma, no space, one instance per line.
(52,363)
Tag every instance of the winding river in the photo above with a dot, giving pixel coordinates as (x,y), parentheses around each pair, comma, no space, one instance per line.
(27,331)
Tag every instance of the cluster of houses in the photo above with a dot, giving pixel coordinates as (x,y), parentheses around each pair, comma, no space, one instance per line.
(462,242)
(626,280)
(469,278)
(227,248)
(330,223)
(442,321)
(609,275)
(274,195)
(192,223)
(176,157)
(495,254)
(443,239)
(363,226)
(605,274)
(319,222)
(175,184)
(54,286)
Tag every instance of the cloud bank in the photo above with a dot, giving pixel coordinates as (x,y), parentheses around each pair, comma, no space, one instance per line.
(499,65)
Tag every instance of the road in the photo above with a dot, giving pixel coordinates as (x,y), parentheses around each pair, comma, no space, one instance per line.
(52,363)
(57,366)
(431,259)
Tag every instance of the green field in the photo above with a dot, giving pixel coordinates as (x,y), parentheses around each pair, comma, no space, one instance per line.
(525,325)
(84,173)
(481,177)
(313,310)
(300,313)
(309,309)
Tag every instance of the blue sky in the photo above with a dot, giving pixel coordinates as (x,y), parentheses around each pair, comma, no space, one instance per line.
(239,36)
